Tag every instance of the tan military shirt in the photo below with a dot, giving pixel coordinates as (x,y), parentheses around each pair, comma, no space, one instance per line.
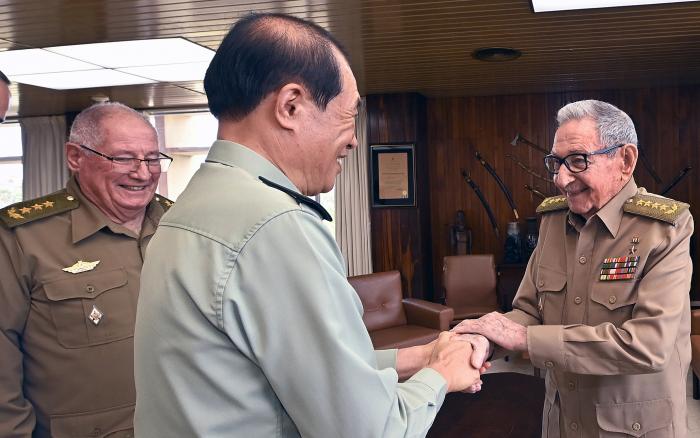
(612,334)
(67,337)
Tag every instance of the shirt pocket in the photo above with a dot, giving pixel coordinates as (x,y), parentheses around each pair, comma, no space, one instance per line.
(613,301)
(650,419)
(92,309)
(114,422)
(551,288)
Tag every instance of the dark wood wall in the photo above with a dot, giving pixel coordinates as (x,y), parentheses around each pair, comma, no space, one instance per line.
(668,126)
(401,236)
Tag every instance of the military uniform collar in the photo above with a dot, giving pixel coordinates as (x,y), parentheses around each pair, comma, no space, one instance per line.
(88,219)
(611,213)
(237,155)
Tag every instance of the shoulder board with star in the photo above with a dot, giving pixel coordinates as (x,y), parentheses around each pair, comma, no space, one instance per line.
(553,203)
(301,199)
(164,202)
(655,207)
(28,211)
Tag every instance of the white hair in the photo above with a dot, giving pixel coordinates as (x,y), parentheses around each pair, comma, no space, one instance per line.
(614,125)
(87,126)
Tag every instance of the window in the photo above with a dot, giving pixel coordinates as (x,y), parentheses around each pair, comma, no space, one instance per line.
(327,200)
(186,136)
(10,163)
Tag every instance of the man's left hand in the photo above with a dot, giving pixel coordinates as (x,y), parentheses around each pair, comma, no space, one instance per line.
(497,328)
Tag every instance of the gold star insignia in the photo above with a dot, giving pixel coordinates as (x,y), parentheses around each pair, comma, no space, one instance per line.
(647,204)
(48,204)
(13,214)
(25,210)
(663,207)
(655,205)
(640,203)
(37,207)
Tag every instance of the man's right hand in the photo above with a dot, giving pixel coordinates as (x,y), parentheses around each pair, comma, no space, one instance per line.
(451,358)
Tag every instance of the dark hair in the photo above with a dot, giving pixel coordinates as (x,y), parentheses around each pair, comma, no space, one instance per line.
(4,78)
(263,52)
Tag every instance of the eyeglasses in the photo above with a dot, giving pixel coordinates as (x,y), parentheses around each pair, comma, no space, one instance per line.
(576,163)
(131,164)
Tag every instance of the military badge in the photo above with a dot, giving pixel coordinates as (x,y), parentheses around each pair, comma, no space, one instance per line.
(81,266)
(633,248)
(96,315)
(619,268)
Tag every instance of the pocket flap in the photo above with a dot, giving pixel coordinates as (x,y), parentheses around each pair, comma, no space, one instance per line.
(550,280)
(112,422)
(85,285)
(614,294)
(637,418)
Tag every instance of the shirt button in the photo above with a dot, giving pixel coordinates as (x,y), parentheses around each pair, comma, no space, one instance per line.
(578,300)
(582,260)
(540,283)
(574,426)
(70,198)
(612,299)
(636,427)
(90,288)
(549,364)
(571,386)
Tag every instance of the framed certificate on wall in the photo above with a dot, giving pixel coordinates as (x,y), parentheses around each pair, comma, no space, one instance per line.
(393,175)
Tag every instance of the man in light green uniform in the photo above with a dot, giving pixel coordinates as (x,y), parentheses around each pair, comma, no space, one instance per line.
(250,327)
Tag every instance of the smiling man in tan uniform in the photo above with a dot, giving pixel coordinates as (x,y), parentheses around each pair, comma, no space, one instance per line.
(604,304)
(70,264)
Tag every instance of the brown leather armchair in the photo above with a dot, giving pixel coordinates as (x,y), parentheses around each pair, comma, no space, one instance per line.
(393,321)
(470,285)
(695,348)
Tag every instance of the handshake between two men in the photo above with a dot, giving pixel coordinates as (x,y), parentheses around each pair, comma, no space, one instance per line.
(461,355)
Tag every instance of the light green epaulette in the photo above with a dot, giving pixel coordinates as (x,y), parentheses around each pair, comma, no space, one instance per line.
(38,208)
(164,202)
(655,206)
(553,203)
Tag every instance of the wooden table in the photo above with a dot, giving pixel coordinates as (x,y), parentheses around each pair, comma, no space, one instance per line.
(508,406)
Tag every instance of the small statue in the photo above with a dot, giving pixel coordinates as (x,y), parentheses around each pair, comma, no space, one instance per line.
(460,235)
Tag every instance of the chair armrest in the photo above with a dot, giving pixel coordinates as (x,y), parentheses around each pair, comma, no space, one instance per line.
(427,314)
(695,322)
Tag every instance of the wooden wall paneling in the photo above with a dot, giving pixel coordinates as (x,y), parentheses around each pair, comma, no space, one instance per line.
(401,235)
(667,122)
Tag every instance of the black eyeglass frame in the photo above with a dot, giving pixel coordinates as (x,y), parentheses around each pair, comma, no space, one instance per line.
(150,162)
(585,156)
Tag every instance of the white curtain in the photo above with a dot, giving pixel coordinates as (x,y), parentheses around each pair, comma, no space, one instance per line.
(352,227)
(43,157)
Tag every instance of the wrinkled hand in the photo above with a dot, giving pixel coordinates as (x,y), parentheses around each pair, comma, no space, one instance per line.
(497,328)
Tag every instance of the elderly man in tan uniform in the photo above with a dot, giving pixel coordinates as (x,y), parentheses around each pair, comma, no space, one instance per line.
(604,304)
(70,266)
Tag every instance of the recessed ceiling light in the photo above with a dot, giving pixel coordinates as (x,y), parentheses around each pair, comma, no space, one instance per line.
(120,54)
(81,79)
(558,5)
(496,54)
(191,71)
(29,61)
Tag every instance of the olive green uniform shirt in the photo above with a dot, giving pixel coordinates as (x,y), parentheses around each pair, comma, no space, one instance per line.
(66,341)
(616,351)
(250,328)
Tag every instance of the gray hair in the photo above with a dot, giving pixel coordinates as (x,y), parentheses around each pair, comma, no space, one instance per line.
(87,126)
(614,125)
